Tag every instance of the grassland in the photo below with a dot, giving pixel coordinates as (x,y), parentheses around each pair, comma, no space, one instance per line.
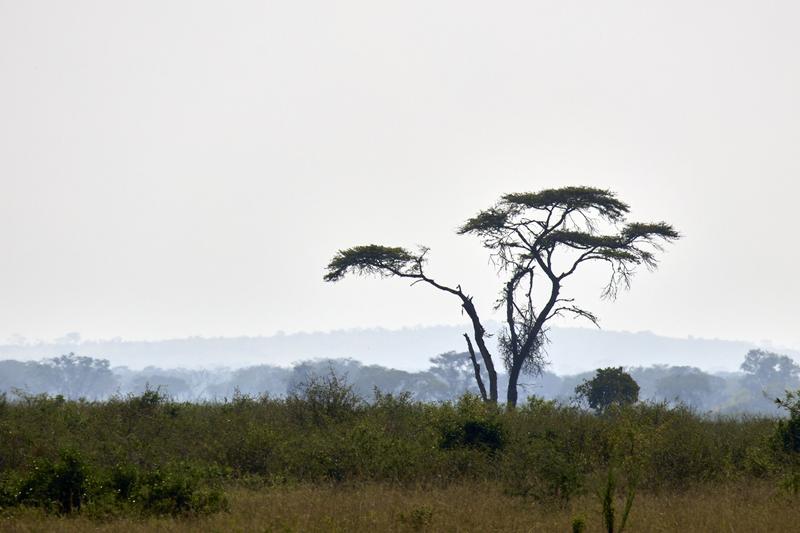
(324,460)
(739,507)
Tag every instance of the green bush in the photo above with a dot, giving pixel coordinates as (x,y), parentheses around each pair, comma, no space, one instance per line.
(788,431)
(547,469)
(65,486)
(60,486)
(473,425)
(123,482)
(323,399)
(149,454)
(175,491)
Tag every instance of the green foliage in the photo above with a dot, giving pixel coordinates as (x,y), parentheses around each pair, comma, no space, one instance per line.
(66,486)
(369,259)
(638,230)
(546,469)
(607,497)
(150,455)
(323,399)
(578,524)
(610,386)
(790,483)
(788,431)
(175,491)
(486,222)
(478,434)
(549,233)
(60,486)
(574,198)
(418,518)
(123,481)
(473,425)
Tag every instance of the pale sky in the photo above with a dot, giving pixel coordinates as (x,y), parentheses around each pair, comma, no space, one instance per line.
(175,168)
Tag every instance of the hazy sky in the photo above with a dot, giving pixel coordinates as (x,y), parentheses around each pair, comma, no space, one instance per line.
(178,168)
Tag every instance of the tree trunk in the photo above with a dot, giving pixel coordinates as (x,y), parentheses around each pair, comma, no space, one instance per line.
(513,381)
(469,308)
(477,367)
(487,360)
(533,334)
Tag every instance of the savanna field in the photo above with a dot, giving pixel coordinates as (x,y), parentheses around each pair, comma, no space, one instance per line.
(324,459)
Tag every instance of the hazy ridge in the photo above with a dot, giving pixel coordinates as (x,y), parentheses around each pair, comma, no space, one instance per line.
(572,350)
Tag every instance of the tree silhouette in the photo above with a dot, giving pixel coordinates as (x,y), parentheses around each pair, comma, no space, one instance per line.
(82,377)
(767,374)
(609,386)
(536,240)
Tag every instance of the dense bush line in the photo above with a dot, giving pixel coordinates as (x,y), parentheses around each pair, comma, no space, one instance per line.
(764,376)
(147,454)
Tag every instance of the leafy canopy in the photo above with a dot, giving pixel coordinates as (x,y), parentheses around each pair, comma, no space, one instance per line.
(536,240)
(610,386)
(372,259)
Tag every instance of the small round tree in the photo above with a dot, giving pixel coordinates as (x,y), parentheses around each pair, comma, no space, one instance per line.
(610,386)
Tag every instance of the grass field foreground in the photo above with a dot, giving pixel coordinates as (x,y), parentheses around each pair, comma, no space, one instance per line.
(741,507)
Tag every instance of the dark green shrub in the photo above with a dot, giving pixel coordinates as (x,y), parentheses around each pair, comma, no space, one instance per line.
(8,496)
(149,400)
(471,425)
(123,481)
(546,469)
(788,431)
(323,399)
(254,453)
(176,491)
(59,486)
(579,524)
(477,434)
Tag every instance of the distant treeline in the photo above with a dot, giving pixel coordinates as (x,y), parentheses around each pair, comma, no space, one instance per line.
(763,376)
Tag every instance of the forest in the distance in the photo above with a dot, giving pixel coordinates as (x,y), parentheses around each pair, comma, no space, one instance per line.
(762,377)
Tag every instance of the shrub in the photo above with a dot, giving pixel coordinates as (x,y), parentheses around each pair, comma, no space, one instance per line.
(59,486)
(472,425)
(124,479)
(323,399)
(546,469)
(176,491)
(477,434)
(788,431)
(791,483)
(419,518)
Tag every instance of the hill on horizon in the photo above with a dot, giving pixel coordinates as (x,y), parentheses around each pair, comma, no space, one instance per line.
(571,350)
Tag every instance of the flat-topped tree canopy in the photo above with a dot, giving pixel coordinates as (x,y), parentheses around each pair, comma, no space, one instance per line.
(487,223)
(373,259)
(512,211)
(641,230)
(530,227)
(580,240)
(545,235)
(394,261)
(622,245)
(571,198)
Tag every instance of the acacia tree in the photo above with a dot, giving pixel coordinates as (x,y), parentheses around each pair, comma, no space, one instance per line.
(536,240)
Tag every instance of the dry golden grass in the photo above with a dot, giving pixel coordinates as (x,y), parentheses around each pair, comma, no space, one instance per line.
(744,507)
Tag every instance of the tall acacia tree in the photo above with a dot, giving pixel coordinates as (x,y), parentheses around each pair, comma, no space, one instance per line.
(537,240)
